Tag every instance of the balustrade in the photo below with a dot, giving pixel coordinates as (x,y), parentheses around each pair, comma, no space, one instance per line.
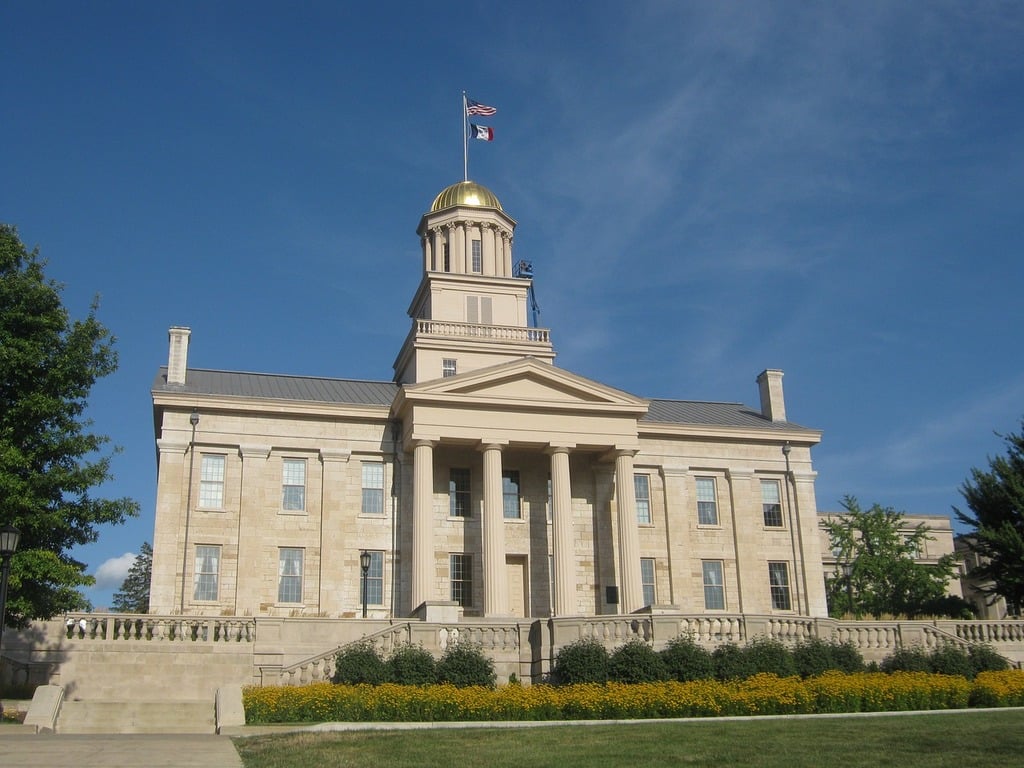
(120,627)
(510,333)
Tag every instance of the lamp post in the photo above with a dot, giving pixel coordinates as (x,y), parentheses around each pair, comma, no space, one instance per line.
(848,574)
(9,537)
(364,564)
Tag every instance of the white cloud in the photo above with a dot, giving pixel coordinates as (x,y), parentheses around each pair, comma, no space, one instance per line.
(112,573)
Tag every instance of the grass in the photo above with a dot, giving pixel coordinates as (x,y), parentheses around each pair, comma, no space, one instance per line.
(978,739)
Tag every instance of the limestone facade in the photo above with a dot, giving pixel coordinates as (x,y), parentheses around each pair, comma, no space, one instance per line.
(483,480)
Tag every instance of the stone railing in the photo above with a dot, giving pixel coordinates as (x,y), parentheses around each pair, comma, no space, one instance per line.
(993,632)
(866,636)
(618,629)
(188,629)
(492,638)
(320,668)
(509,333)
(706,630)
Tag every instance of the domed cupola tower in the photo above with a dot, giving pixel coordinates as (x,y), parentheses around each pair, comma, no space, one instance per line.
(470,311)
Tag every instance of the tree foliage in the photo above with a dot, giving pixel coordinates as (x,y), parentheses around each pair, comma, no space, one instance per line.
(133,596)
(885,579)
(49,460)
(996,500)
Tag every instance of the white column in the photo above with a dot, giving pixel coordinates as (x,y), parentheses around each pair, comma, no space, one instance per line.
(428,251)
(422,523)
(631,593)
(459,255)
(562,544)
(437,262)
(495,579)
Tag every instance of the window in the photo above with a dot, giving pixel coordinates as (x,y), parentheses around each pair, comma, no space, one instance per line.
(550,503)
(448,367)
(375,579)
(914,548)
(714,586)
(373,488)
(771,503)
(647,579)
(778,579)
(642,489)
(211,481)
(707,501)
(447,259)
(289,575)
(461,573)
(477,261)
(207,572)
(458,493)
(293,485)
(511,507)
(479,310)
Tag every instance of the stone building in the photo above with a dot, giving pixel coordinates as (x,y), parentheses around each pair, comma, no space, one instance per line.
(482,480)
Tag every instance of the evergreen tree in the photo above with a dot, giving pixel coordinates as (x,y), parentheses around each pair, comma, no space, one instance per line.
(49,461)
(996,499)
(133,596)
(885,580)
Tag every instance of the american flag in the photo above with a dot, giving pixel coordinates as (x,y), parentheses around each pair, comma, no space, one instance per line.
(476,108)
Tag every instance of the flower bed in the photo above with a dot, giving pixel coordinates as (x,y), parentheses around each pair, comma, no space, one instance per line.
(758,695)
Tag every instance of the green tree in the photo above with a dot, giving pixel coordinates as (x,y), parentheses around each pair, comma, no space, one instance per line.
(996,501)
(49,461)
(885,579)
(133,596)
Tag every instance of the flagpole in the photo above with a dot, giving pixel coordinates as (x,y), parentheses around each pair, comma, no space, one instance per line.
(465,141)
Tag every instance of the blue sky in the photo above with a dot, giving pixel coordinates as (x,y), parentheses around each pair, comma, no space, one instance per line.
(705,190)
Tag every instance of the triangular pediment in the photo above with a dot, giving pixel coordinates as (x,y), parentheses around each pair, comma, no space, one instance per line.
(525,383)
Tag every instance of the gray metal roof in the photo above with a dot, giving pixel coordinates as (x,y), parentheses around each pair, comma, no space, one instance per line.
(277,387)
(382,393)
(711,414)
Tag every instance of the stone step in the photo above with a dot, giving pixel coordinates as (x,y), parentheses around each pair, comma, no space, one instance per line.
(136,717)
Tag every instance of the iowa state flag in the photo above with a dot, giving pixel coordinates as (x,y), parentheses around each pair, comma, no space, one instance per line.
(482,132)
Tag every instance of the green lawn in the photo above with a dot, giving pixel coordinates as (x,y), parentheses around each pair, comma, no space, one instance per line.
(963,739)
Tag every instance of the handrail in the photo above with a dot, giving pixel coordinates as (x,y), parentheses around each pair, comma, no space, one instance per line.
(314,668)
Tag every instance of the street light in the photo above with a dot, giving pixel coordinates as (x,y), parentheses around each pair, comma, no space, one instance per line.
(9,537)
(848,573)
(364,564)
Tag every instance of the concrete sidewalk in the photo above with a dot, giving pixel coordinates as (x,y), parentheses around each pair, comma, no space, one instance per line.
(25,750)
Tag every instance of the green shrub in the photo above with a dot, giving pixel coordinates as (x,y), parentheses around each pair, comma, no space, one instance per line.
(636,662)
(815,657)
(584,661)
(411,664)
(685,660)
(950,660)
(359,663)
(465,664)
(912,659)
(770,656)
(984,658)
(731,663)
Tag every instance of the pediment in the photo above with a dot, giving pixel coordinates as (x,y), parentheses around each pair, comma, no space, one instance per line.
(527,383)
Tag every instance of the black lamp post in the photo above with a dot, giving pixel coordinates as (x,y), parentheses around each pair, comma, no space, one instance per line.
(9,537)
(364,564)
(848,574)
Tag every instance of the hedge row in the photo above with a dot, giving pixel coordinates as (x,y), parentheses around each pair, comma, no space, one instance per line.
(682,660)
(759,695)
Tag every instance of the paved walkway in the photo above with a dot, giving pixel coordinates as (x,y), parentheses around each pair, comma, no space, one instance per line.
(107,750)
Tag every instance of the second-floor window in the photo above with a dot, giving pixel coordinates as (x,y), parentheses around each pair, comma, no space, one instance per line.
(771,503)
(458,492)
(211,481)
(293,485)
(373,488)
(707,501)
(511,507)
(642,489)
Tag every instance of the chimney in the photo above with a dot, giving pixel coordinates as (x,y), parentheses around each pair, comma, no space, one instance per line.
(773,404)
(177,359)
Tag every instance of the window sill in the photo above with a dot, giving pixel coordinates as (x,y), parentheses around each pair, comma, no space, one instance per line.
(293,512)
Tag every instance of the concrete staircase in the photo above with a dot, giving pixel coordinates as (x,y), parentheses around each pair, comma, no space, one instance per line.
(136,717)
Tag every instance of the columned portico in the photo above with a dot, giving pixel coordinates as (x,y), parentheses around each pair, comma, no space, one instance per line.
(495,577)
(422,587)
(631,596)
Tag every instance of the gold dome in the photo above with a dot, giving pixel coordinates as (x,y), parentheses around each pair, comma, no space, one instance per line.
(465,193)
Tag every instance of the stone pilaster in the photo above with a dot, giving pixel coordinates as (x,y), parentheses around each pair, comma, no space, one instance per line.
(751,588)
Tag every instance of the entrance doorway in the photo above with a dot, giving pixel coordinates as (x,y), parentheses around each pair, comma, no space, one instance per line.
(518,585)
